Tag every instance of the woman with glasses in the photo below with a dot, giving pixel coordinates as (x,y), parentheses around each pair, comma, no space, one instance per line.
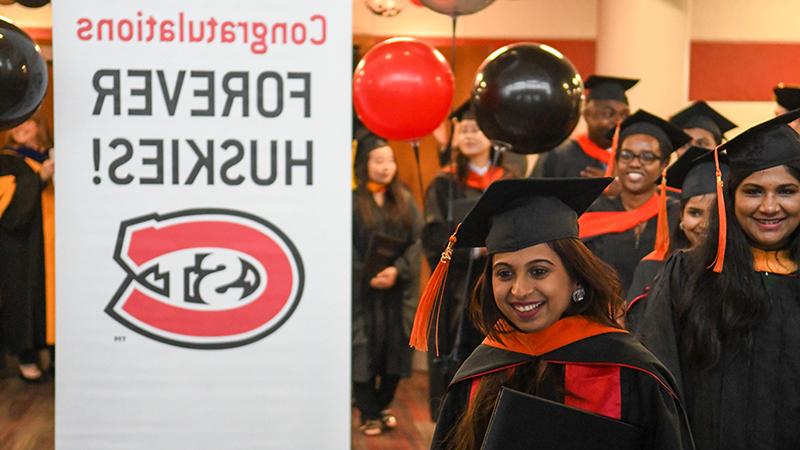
(622,230)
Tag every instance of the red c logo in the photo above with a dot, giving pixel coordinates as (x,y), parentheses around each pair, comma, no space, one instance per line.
(205,278)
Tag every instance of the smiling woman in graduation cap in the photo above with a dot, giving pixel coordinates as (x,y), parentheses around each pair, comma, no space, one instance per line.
(622,230)
(549,308)
(725,317)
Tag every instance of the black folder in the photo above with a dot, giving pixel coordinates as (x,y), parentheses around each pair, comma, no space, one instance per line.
(382,251)
(523,421)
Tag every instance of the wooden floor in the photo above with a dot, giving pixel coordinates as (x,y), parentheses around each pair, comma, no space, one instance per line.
(27,411)
(414,429)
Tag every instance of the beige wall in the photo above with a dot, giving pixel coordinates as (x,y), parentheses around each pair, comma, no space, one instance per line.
(502,19)
(28,17)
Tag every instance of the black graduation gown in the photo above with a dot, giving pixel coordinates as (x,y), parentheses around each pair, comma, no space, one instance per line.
(646,387)
(465,269)
(644,276)
(566,160)
(752,399)
(22,290)
(382,319)
(623,251)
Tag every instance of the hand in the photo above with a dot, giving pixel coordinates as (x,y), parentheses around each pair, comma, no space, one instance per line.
(593,172)
(613,189)
(385,279)
(47,170)
(440,134)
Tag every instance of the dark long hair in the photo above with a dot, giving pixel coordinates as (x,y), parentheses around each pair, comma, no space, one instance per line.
(396,200)
(727,306)
(603,303)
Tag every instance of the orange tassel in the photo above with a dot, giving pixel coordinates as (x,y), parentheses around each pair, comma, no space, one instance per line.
(722,240)
(612,161)
(432,297)
(661,246)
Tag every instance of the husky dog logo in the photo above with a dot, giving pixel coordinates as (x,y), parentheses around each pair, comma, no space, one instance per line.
(205,278)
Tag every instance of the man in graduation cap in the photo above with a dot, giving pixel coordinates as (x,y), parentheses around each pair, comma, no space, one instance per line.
(621,230)
(787,98)
(704,124)
(548,307)
(587,155)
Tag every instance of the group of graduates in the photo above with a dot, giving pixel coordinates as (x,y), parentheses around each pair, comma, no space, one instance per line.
(27,253)
(640,281)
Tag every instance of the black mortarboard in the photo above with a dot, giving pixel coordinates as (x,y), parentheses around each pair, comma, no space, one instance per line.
(608,88)
(669,136)
(768,144)
(524,421)
(787,96)
(463,111)
(515,214)
(700,115)
(366,141)
(694,173)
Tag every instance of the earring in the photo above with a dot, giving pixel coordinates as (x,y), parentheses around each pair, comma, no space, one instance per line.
(578,295)
(680,225)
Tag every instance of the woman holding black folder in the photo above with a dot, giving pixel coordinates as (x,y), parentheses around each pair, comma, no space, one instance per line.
(453,191)
(386,266)
(550,311)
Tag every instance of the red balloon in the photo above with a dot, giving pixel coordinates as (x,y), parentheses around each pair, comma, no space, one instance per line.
(402,89)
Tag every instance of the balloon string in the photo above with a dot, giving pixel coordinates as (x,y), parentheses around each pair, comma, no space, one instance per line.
(415,146)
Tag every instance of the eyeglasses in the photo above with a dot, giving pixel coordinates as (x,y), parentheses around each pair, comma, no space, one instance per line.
(644,157)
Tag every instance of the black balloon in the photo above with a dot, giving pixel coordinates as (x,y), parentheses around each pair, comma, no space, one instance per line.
(528,96)
(33,3)
(457,8)
(23,76)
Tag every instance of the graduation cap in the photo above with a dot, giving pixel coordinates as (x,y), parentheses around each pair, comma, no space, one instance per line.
(463,111)
(787,96)
(694,173)
(669,137)
(602,87)
(700,115)
(768,144)
(509,216)
(367,141)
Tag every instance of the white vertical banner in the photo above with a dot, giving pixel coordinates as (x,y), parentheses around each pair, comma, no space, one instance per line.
(203,224)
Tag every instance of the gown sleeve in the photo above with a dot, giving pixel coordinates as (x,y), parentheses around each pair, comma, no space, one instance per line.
(657,323)
(26,196)
(409,266)
(660,415)
(453,407)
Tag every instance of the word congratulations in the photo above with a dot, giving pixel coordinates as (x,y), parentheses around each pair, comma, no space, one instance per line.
(258,36)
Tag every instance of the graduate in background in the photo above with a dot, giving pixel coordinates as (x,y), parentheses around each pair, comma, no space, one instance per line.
(704,124)
(725,318)
(548,307)
(787,98)
(453,191)
(622,230)
(28,246)
(383,303)
(588,154)
(694,174)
